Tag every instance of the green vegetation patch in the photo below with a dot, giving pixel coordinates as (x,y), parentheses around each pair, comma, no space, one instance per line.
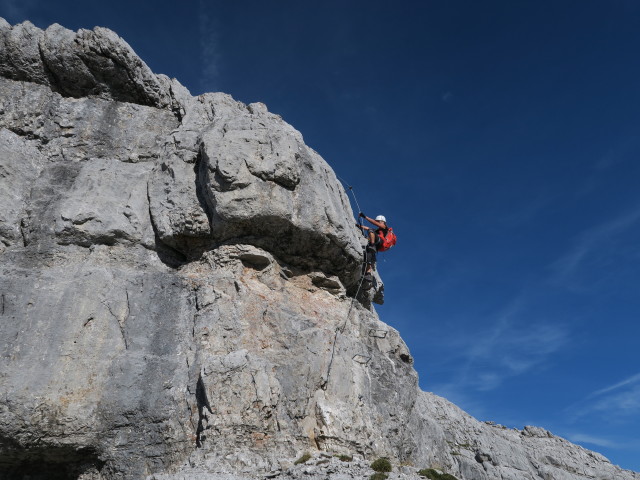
(303,459)
(381,465)
(435,475)
(379,476)
(345,458)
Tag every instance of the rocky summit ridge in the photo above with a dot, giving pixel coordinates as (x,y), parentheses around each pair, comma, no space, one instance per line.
(177,282)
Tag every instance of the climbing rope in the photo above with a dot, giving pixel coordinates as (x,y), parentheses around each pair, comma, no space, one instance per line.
(353,193)
(340,328)
(355,199)
(351,305)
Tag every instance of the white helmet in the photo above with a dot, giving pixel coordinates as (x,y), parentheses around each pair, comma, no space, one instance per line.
(380,218)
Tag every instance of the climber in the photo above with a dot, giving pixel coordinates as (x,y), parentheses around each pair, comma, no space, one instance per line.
(379,240)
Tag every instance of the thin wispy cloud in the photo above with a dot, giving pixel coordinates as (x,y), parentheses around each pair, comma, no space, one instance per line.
(512,345)
(617,401)
(609,160)
(597,243)
(583,438)
(632,380)
(209,49)
(625,150)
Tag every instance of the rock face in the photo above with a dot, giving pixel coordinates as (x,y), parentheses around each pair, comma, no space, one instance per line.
(179,292)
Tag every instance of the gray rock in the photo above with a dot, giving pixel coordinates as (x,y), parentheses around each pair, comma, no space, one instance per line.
(78,64)
(474,449)
(77,129)
(20,57)
(20,165)
(260,181)
(179,294)
(106,204)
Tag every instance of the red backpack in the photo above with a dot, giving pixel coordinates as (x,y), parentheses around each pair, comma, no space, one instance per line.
(388,240)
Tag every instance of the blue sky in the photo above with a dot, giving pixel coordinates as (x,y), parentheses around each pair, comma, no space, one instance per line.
(499,138)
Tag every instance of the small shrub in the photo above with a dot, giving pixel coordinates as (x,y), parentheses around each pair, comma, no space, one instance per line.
(345,458)
(381,465)
(303,459)
(432,474)
(379,476)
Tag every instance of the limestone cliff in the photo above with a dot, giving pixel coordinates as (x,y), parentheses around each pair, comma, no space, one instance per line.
(176,291)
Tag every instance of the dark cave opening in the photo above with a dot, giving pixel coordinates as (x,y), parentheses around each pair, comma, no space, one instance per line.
(47,462)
